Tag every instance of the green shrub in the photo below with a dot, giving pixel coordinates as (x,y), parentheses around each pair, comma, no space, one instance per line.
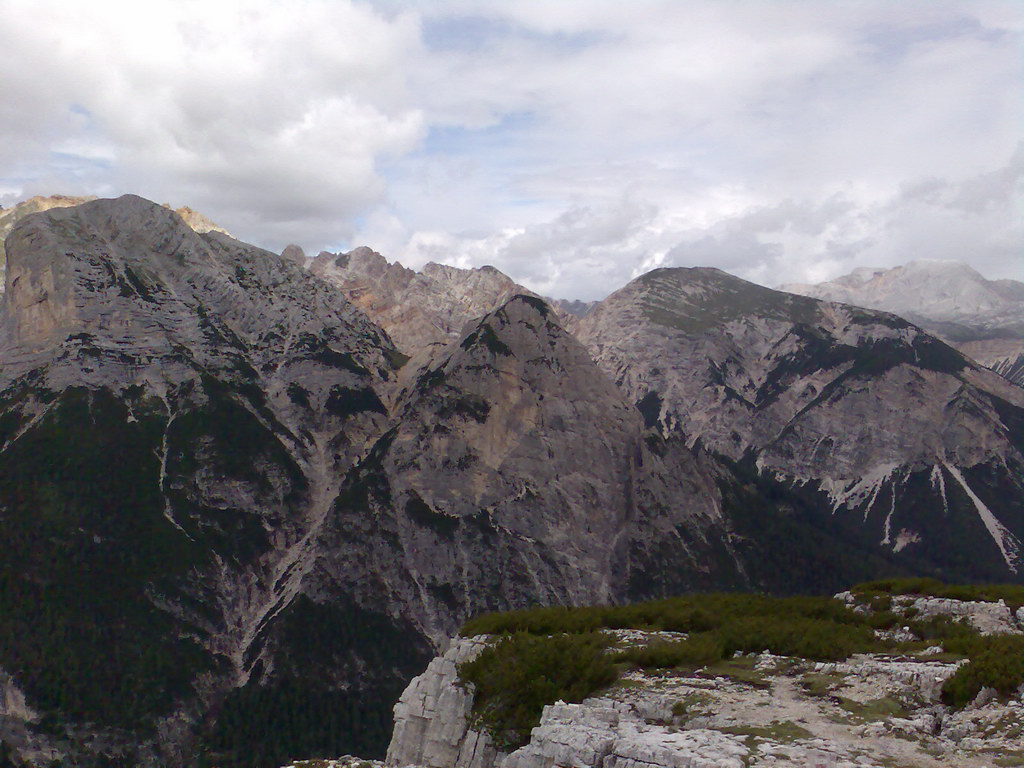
(689,613)
(816,639)
(883,619)
(996,662)
(520,674)
(942,628)
(1012,594)
(696,651)
(903,586)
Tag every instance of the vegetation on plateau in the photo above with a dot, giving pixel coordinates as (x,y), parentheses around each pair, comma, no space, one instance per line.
(515,678)
(560,653)
(1011,594)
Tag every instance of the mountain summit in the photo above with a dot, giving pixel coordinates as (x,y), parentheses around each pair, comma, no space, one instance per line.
(887,432)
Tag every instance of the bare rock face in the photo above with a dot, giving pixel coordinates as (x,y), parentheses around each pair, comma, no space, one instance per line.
(515,474)
(178,411)
(424,311)
(10,216)
(432,716)
(602,732)
(866,415)
(417,309)
(982,318)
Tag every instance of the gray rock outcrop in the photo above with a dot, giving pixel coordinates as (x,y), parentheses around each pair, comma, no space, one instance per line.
(987,618)
(432,718)
(605,733)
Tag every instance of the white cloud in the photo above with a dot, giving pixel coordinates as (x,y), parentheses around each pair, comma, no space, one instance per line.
(267,116)
(571,143)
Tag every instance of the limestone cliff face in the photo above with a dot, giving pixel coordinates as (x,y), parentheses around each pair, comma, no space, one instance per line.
(514,473)
(878,417)
(178,411)
(417,309)
(432,718)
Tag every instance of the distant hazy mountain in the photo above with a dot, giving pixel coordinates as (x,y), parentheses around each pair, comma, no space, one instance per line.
(983,318)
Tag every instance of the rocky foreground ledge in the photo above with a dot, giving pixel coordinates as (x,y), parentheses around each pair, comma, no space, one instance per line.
(750,710)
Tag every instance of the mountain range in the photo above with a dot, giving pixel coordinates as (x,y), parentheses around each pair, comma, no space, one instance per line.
(246,500)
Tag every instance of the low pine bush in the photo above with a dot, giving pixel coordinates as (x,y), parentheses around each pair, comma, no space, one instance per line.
(517,676)
(696,651)
(690,613)
(1012,594)
(817,639)
(996,662)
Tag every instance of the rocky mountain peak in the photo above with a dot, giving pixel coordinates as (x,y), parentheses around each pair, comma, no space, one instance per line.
(11,216)
(198,221)
(800,387)
(113,277)
(419,310)
(294,253)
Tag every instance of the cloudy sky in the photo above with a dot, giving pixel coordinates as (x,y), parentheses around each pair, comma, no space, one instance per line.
(571,143)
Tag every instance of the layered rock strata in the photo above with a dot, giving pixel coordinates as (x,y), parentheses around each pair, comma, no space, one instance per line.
(883,429)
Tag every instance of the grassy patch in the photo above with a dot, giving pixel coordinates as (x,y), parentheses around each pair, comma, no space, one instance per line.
(873,709)
(692,703)
(821,684)
(783,731)
(742,670)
